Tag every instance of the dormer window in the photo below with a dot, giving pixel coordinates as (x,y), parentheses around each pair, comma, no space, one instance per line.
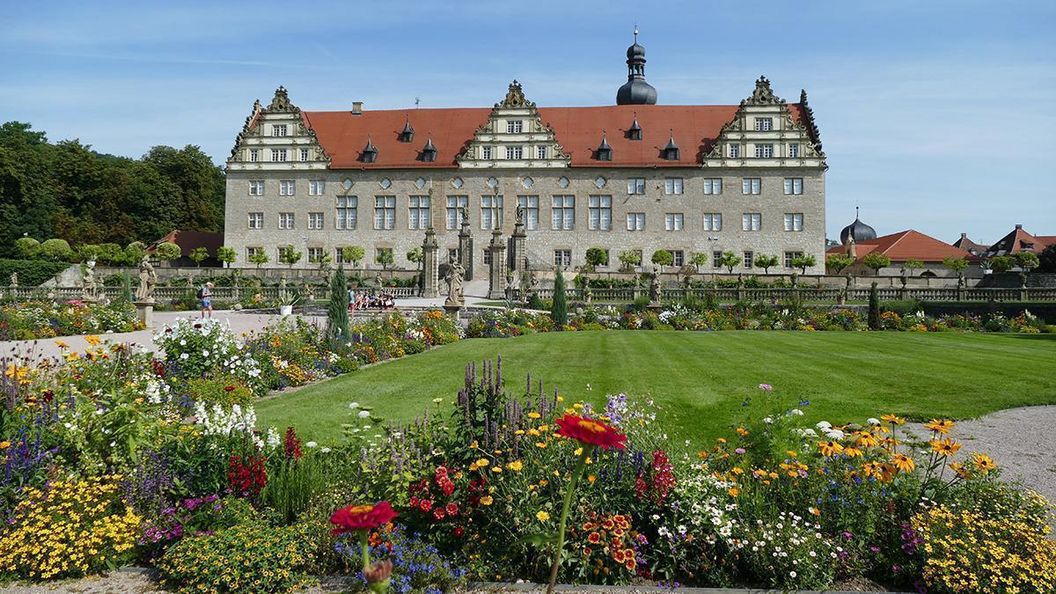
(635,131)
(670,151)
(407,134)
(429,151)
(604,150)
(370,152)
(278,130)
(764,124)
(514,126)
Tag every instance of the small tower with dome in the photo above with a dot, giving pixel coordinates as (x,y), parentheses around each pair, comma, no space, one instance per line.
(636,91)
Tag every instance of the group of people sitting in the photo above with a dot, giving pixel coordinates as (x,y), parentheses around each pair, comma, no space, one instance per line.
(370,300)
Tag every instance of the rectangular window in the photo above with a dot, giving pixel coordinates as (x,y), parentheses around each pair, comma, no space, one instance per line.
(339,256)
(529,206)
(764,151)
(491,212)
(764,124)
(600,213)
(751,221)
(384,212)
(673,185)
(751,185)
(315,255)
(793,151)
(735,151)
(278,130)
(716,259)
(456,207)
(678,258)
(418,212)
(540,152)
(486,257)
(251,252)
(304,154)
(315,221)
(563,214)
(514,126)
(713,185)
(636,186)
(286,221)
(485,152)
(256,187)
(712,221)
(793,185)
(347,215)
(278,155)
(749,259)
(673,221)
(287,187)
(283,250)
(636,221)
(562,258)
(793,221)
(256,220)
(316,187)
(789,256)
(254,155)
(514,152)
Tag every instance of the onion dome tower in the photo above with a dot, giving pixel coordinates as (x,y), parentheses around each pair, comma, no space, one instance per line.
(636,91)
(857,230)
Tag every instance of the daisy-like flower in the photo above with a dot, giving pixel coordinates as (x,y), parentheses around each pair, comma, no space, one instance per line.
(893,419)
(945,447)
(983,462)
(361,517)
(942,426)
(851,452)
(830,448)
(866,439)
(542,516)
(590,432)
(903,463)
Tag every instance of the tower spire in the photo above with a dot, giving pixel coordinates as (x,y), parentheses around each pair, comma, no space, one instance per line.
(636,91)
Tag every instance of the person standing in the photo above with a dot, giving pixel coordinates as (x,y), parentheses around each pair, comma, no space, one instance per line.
(205,294)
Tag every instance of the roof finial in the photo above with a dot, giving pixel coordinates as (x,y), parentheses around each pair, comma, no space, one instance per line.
(636,32)
(856,212)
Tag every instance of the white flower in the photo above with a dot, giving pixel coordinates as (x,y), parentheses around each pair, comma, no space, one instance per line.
(768,420)
(324,450)
(824,425)
(796,412)
(311,444)
(353,405)
(363,414)
(437,400)
(835,434)
(791,574)
(184,356)
(873,421)
(205,353)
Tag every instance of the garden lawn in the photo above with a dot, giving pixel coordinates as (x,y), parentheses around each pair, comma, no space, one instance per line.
(700,379)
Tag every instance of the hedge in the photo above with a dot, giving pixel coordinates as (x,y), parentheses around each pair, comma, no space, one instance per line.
(30,272)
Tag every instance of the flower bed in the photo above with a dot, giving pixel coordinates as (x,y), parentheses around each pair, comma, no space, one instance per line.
(44,319)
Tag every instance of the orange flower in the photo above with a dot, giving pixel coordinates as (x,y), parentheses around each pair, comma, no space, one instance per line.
(983,462)
(742,431)
(830,448)
(852,452)
(866,439)
(903,462)
(590,432)
(942,426)
(893,419)
(734,491)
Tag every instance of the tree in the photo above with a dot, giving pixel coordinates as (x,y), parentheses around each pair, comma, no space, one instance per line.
(765,262)
(1026,261)
(1047,259)
(168,252)
(56,250)
(663,258)
(27,247)
(259,257)
(337,312)
(353,254)
(416,257)
(955,264)
(559,308)
(804,262)
(111,253)
(698,259)
(226,255)
(87,251)
(597,256)
(198,255)
(384,257)
(874,307)
(876,261)
(289,256)
(1002,263)
(837,263)
(134,253)
(729,260)
(912,264)
(630,258)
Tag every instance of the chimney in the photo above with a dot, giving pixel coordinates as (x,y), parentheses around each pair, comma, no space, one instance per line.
(1019,225)
(964,236)
(357,108)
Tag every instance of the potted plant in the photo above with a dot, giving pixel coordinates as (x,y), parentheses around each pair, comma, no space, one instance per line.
(287,301)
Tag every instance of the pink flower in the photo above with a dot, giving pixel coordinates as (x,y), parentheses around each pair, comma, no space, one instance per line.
(766,387)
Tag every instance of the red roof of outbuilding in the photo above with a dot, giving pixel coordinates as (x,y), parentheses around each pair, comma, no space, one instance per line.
(578,130)
(907,245)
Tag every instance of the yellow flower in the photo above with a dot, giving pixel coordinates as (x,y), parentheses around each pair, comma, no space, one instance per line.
(62,344)
(983,462)
(5,444)
(515,466)
(486,500)
(496,469)
(830,448)
(534,415)
(893,419)
(591,478)
(903,462)
(866,439)
(814,511)
(542,516)
(742,431)
(92,340)
(482,462)
(852,452)
(942,426)
(733,491)
(946,447)
(540,445)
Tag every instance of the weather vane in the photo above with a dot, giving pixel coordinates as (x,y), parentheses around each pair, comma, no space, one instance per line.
(636,32)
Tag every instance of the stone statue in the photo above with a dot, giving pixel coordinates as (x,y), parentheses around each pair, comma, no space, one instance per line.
(850,281)
(455,275)
(378,282)
(88,284)
(14,279)
(509,286)
(282,289)
(148,278)
(654,286)
(520,215)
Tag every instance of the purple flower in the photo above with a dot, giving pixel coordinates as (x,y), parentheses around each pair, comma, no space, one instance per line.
(739,451)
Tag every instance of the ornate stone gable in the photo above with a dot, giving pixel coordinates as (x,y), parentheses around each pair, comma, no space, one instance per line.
(514,137)
(763,134)
(276,137)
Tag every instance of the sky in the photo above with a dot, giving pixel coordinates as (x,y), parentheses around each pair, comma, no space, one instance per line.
(935,115)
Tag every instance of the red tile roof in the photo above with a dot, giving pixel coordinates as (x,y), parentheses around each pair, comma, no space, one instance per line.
(577,129)
(1020,241)
(907,245)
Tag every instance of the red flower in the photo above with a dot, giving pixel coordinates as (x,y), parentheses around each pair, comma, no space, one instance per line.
(439,513)
(452,509)
(459,532)
(361,517)
(246,476)
(425,505)
(292,445)
(590,432)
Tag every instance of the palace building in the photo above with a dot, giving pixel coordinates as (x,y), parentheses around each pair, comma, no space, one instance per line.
(634,176)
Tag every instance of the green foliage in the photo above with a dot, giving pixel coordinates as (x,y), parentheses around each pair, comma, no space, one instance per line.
(729,260)
(836,263)
(874,308)
(698,259)
(56,250)
(597,256)
(559,309)
(876,261)
(134,253)
(26,247)
(293,482)
(289,256)
(353,254)
(663,258)
(87,251)
(111,254)
(226,255)
(168,251)
(955,264)
(385,257)
(1047,260)
(415,256)
(337,311)
(630,258)
(1002,263)
(260,257)
(30,272)
(198,255)
(1026,261)
(804,262)
(766,262)
(912,264)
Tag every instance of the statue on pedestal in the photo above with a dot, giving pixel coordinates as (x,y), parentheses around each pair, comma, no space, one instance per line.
(88,284)
(14,279)
(455,275)
(148,278)
(655,286)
